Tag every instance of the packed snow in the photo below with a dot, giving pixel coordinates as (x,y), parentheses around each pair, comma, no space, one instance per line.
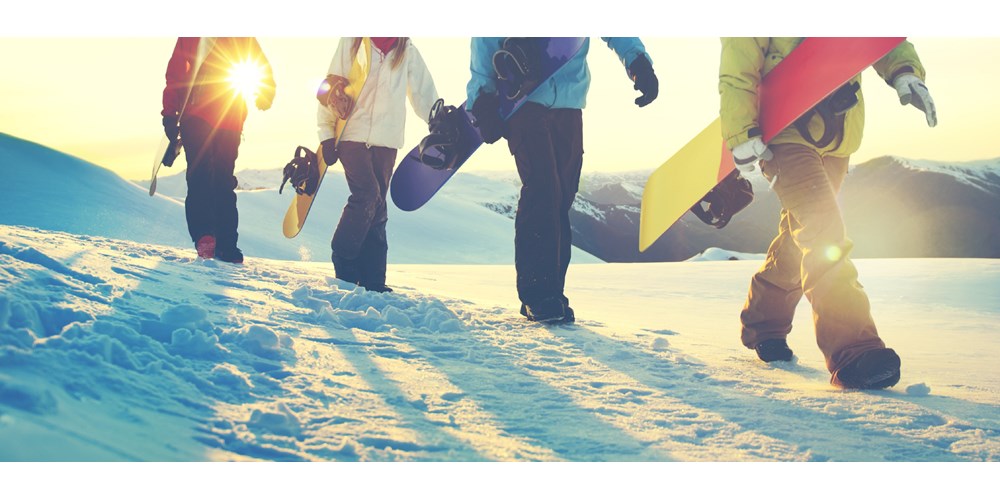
(117,344)
(118,350)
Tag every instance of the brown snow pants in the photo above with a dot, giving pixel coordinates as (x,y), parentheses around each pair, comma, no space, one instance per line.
(810,257)
(360,234)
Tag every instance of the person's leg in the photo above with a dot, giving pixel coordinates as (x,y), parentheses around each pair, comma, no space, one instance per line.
(225,147)
(841,311)
(537,224)
(359,212)
(775,290)
(196,136)
(374,250)
(568,147)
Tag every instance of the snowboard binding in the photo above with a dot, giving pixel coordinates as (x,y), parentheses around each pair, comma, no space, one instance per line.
(833,111)
(724,201)
(332,93)
(303,171)
(518,63)
(439,150)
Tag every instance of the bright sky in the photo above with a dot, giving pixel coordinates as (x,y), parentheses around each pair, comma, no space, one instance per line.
(99,99)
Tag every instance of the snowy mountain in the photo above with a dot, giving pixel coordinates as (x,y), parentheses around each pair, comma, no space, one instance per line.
(83,198)
(116,350)
(893,207)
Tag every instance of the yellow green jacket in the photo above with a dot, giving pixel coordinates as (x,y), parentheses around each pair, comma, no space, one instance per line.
(746,60)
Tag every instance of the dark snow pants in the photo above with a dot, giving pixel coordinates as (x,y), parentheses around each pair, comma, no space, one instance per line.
(360,235)
(810,257)
(210,205)
(547,145)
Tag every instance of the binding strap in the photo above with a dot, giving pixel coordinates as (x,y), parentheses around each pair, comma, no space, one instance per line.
(833,112)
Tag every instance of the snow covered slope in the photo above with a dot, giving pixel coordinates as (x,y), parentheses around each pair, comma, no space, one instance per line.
(83,198)
(44,188)
(114,350)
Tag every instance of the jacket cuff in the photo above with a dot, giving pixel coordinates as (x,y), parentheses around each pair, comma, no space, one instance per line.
(744,136)
(901,71)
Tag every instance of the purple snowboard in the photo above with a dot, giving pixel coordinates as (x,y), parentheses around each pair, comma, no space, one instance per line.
(414,183)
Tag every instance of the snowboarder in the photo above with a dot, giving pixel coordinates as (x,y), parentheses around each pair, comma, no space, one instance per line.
(545,137)
(202,101)
(806,164)
(367,150)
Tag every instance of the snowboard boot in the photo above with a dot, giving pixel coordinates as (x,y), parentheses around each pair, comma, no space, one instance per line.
(549,310)
(233,255)
(206,247)
(874,369)
(570,316)
(773,350)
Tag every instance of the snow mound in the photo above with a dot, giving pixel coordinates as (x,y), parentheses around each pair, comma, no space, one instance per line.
(718,254)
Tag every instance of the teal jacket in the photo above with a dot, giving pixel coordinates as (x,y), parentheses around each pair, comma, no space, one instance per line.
(565,89)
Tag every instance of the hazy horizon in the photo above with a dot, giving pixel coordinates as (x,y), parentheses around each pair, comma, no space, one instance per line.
(111,118)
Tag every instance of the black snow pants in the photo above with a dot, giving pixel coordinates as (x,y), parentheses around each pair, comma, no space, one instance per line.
(210,205)
(547,145)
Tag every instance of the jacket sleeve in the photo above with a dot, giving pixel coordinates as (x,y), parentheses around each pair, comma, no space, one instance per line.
(419,83)
(902,59)
(178,75)
(268,86)
(340,65)
(627,49)
(483,79)
(740,68)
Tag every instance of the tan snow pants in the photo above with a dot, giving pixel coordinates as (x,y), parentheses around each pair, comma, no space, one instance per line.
(810,257)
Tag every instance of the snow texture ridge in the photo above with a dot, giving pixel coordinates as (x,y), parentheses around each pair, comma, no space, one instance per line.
(114,350)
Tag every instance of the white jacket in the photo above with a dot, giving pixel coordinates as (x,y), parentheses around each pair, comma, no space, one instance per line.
(380,112)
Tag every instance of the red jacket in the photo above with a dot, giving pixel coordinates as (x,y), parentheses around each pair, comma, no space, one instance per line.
(212,98)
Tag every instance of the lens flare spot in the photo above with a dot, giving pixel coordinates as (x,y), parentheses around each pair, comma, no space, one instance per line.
(833,253)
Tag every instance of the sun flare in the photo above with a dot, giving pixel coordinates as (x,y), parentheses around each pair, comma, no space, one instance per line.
(247,78)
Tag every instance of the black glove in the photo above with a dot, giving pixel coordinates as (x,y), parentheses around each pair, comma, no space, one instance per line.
(641,72)
(171,127)
(486,109)
(329,148)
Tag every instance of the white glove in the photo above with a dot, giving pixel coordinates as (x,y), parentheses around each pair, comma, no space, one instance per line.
(911,90)
(747,155)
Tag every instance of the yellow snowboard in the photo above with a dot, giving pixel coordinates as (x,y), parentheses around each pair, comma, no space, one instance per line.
(297,212)
(664,200)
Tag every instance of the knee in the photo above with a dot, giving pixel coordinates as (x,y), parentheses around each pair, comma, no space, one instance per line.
(366,202)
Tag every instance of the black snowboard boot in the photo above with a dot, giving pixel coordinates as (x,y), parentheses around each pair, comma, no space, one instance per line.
(874,369)
(570,316)
(773,350)
(549,310)
(233,255)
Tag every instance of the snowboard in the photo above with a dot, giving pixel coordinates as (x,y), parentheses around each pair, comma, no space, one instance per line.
(414,183)
(170,148)
(298,210)
(162,158)
(812,71)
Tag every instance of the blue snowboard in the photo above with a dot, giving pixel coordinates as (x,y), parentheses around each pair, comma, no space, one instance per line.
(415,183)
